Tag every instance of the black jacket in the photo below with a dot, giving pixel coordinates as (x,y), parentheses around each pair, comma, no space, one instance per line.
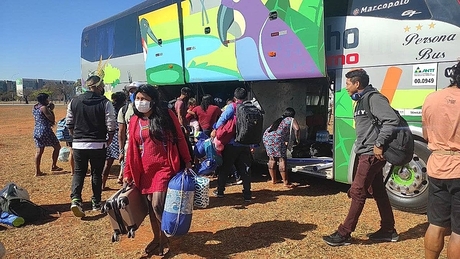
(91,116)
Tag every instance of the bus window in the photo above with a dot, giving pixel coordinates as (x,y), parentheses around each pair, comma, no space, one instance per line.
(335,8)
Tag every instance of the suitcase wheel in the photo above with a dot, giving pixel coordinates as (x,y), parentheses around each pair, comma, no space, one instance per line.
(131,233)
(123,202)
(115,237)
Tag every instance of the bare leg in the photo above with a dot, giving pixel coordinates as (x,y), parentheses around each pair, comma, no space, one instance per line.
(434,241)
(38,159)
(159,244)
(453,248)
(55,155)
(272,169)
(284,174)
(106,172)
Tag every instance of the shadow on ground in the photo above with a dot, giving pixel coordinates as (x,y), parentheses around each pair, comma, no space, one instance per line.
(235,240)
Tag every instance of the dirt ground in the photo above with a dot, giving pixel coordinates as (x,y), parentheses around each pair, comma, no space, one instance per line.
(279,223)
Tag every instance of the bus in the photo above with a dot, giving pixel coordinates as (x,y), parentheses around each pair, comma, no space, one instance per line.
(291,53)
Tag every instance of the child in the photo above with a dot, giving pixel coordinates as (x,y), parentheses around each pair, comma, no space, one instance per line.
(191,116)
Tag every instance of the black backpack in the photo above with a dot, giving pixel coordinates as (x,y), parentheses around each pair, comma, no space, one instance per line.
(399,149)
(12,203)
(249,124)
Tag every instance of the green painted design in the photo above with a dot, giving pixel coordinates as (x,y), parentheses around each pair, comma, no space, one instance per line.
(344,104)
(115,83)
(111,75)
(165,74)
(219,69)
(344,137)
(302,27)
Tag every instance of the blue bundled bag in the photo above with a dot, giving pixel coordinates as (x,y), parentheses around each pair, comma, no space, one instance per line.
(208,166)
(62,132)
(177,214)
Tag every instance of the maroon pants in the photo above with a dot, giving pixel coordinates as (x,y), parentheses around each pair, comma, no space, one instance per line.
(368,174)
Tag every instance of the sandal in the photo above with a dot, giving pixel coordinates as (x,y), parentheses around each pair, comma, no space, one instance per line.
(54,169)
(152,247)
(39,174)
(163,249)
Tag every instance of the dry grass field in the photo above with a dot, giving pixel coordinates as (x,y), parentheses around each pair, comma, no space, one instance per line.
(279,223)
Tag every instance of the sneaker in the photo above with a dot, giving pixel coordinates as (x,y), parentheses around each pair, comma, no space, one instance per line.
(96,205)
(11,219)
(335,239)
(386,236)
(238,181)
(217,194)
(77,209)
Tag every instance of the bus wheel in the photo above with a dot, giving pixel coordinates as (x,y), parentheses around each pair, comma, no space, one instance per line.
(407,186)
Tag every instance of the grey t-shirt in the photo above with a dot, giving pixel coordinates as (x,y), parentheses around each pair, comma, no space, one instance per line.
(124,119)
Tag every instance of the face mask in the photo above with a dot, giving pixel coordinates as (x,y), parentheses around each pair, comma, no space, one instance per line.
(142,106)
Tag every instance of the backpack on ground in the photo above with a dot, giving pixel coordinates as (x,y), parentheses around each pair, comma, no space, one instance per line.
(62,132)
(249,124)
(15,201)
(399,148)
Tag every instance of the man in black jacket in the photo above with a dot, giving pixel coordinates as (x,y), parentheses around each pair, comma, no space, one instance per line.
(90,118)
(368,177)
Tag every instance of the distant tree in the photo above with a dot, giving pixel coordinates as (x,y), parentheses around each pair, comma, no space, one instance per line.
(25,93)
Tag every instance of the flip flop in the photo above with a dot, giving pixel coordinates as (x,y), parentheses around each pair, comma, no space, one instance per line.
(40,174)
(152,247)
(54,169)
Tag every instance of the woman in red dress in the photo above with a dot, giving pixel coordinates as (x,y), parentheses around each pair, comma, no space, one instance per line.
(156,148)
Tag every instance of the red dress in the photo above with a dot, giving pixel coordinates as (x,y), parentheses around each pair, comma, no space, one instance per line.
(207,118)
(150,162)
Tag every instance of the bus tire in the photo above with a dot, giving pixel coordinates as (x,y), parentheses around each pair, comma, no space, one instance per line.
(408,189)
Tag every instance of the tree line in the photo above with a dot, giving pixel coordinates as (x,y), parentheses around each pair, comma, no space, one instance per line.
(56,91)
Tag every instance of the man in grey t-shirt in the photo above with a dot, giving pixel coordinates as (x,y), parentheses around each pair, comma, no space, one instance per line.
(124,115)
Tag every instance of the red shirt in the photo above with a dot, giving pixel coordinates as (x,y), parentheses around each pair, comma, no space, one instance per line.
(207,118)
(149,162)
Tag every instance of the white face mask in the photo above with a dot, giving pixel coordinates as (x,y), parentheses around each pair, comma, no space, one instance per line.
(142,106)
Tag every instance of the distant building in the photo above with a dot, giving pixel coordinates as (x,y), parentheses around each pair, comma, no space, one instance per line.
(25,84)
(7,86)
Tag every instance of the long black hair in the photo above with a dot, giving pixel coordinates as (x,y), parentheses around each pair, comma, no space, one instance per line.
(289,112)
(161,125)
(206,101)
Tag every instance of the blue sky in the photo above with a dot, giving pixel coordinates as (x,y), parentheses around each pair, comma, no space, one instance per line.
(41,39)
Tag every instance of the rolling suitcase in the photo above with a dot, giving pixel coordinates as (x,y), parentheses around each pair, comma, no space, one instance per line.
(127,209)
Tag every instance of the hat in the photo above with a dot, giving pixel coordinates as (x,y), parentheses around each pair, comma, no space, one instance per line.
(132,85)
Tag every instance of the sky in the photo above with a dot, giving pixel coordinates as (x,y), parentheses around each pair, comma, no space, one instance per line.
(41,39)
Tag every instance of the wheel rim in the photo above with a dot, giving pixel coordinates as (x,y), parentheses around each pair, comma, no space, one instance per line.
(409,180)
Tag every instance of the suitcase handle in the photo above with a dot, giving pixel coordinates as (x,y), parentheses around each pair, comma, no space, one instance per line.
(126,186)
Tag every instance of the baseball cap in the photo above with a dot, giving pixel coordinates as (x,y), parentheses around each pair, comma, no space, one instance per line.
(134,84)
